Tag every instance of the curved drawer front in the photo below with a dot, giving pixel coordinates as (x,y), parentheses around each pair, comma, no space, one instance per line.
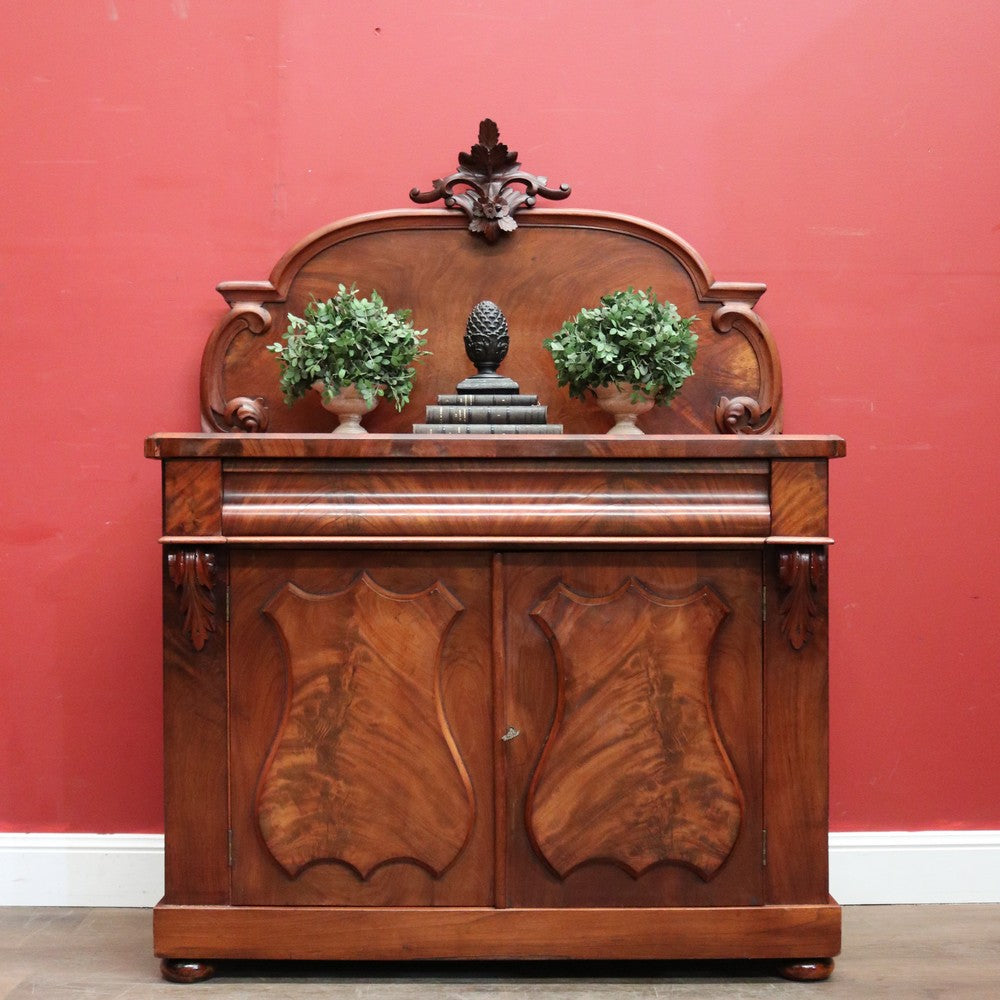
(521,499)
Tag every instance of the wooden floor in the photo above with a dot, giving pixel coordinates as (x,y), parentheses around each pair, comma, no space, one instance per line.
(898,952)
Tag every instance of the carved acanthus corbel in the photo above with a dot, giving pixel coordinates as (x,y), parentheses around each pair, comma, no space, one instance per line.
(800,572)
(192,572)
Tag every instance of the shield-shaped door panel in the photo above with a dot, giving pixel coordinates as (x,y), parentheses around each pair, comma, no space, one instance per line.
(636,686)
(356,682)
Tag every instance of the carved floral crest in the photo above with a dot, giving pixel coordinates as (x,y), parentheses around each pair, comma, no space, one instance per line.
(488,174)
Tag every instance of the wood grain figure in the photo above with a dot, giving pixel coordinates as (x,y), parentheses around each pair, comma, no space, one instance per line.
(364,769)
(633,771)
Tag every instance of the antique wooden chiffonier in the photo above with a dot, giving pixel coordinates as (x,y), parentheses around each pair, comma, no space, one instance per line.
(508,696)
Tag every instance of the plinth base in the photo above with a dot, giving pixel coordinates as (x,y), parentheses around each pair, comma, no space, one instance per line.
(483,385)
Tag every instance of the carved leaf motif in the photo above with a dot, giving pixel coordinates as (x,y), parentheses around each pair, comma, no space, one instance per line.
(489,134)
(192,571)
(485,175)
(489,156)
(800,572)
(633,771)
(364,770)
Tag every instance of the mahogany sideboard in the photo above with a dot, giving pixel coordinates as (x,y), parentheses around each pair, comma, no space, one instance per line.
(490,698)
(435,696)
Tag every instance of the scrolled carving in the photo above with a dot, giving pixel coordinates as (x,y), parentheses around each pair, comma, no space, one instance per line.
(800,572)
(246,414)
(487,173)
(741,415)
(241,413)
(746,414)
(192,572)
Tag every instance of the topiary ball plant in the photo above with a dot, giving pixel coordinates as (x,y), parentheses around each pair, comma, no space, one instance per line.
(630,340)
(350,341)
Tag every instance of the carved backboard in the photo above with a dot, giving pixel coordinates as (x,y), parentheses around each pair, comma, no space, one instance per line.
(540,271)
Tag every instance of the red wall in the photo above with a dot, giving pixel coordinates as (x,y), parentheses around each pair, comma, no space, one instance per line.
(844,152)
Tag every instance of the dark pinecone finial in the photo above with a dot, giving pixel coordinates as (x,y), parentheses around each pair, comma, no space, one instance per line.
(486,344)
(486,339)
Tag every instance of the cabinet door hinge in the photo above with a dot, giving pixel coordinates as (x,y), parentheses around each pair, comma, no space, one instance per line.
(229,837)
(763,604)
(228,593)
(763,848)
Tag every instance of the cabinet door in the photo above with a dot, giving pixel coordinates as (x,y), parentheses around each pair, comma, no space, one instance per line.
(634,680)
(360,728)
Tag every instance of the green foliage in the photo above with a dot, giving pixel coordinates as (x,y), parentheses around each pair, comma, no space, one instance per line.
(346,341)
(630,339)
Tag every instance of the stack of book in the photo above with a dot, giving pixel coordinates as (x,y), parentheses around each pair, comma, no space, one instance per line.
(487,413)
(487,402)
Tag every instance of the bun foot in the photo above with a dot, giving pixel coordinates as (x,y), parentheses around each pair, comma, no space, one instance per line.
(806,970)
(186,970)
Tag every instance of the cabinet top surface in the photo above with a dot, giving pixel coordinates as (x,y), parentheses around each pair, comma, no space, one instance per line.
(417,446)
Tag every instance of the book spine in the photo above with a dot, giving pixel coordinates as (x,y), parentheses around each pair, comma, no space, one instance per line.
(486,414)
(487,400)
(487,428)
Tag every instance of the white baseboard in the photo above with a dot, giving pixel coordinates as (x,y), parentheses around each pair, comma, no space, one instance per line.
(932,866)
(126,869)
(81,869)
